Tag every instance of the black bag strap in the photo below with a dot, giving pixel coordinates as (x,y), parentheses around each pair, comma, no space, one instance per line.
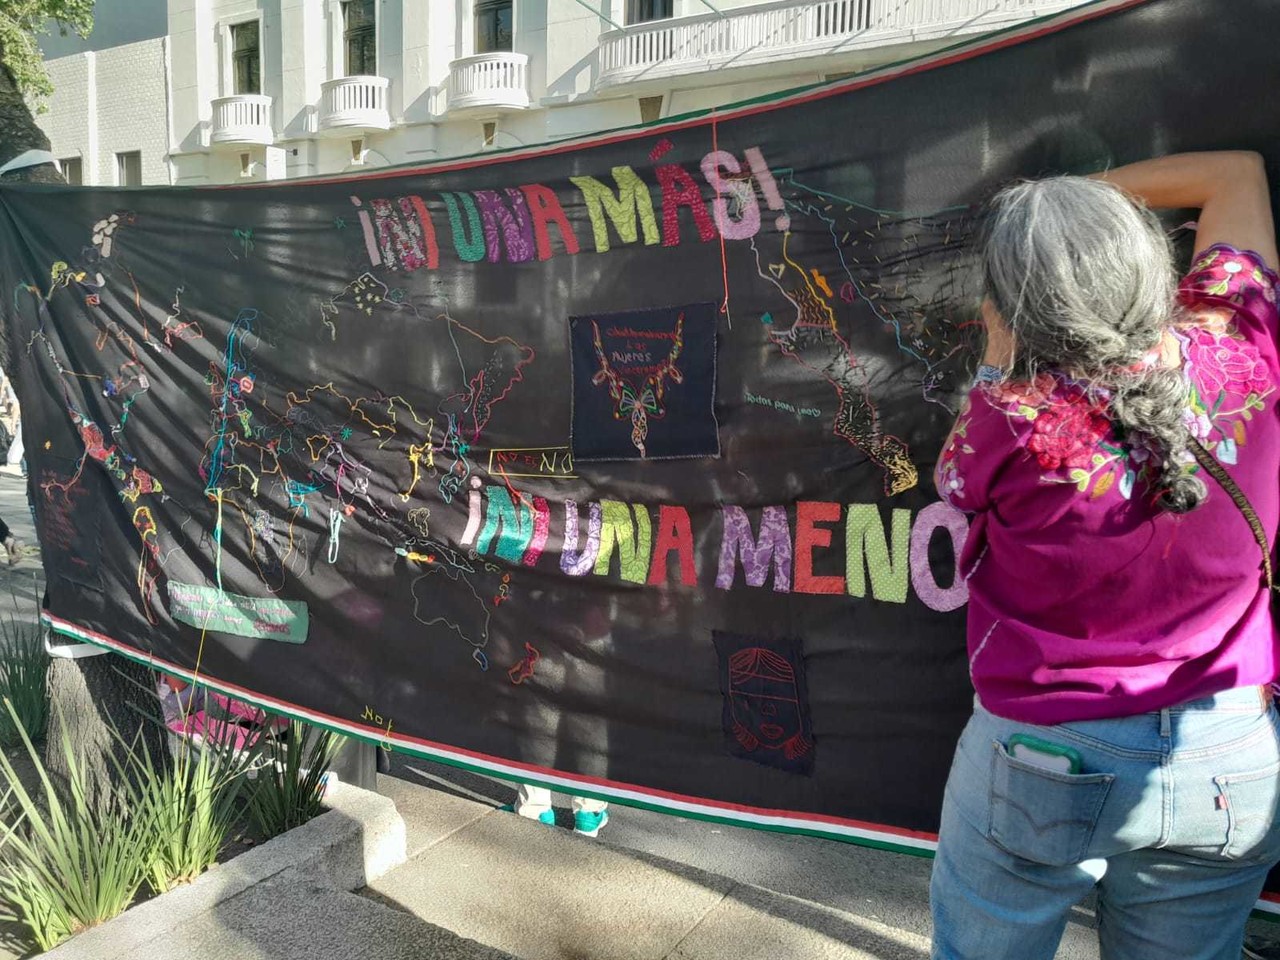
(1211,466)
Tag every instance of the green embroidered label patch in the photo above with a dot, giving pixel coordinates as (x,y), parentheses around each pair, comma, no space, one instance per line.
(266,618)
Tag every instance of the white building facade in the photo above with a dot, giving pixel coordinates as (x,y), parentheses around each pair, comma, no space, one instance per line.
(108,122)
(265,89)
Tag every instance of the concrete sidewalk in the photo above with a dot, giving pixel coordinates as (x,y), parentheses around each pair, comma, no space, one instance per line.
(544,894)
(21,586)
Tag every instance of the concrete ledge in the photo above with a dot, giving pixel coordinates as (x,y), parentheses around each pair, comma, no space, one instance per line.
(358,839)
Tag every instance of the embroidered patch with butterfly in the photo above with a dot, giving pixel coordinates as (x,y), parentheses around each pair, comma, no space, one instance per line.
(644,384)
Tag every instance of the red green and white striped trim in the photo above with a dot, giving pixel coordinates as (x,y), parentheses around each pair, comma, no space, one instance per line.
(1268,907)
(915,842)
(880,836)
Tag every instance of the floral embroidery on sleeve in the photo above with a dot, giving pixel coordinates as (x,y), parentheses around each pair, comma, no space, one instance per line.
(1225,276)
(1230,382)
(1064,428)
(1230,377)
(947,477)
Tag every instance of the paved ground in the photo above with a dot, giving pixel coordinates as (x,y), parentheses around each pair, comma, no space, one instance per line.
(873,886)
(19,585)
(545,894)
(872,893)
(282,920)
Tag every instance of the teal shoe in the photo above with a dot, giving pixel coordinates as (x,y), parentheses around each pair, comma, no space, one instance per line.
(589,824)
(547,817)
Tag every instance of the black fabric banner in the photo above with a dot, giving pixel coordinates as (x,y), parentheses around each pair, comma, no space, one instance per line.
(604,464)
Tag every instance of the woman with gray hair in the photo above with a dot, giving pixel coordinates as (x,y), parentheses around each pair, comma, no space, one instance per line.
(1119,453)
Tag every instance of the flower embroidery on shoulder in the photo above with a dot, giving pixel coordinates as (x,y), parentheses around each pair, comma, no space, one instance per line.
(1027,397)
(1067,433)
(1229,274)
(1227,368)
(1071,436)
(950,483)
(948,480)
(1229,384)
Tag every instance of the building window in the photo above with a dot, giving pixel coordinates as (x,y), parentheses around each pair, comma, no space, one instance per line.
(360,33)
(650,109)
(493,25)
(642,11)
(129,169)
(72,170)
(246,60)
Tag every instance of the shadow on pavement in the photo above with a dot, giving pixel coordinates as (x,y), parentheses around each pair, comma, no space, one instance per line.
(857,892)
(540,893)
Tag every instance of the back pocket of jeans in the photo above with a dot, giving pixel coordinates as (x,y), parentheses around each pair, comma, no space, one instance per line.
(1042,815)
(1250,803)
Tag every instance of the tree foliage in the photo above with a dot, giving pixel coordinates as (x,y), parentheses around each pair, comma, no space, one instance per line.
(22,22)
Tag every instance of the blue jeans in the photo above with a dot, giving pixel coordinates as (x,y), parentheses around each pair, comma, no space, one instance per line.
(1171,818)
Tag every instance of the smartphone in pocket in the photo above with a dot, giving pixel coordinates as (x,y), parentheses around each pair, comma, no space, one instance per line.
(1043,754)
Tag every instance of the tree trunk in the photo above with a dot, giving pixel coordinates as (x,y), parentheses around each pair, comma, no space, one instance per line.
(18,132)
(93,695)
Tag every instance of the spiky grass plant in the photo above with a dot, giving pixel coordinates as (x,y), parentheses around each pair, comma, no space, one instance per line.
(290,788)
(67,862)
(191,808)
(24,681)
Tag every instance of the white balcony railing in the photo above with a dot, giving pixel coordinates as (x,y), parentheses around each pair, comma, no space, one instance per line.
(493,80)
(798,28)
(242,119)
(354,103)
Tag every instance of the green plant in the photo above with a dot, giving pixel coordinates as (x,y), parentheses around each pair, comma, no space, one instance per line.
(290,787)
(24,681)
(66,862)
(22,22)
(191,808)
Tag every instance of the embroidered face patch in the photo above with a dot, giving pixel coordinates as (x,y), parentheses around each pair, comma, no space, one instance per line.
(644,384)
(766,703)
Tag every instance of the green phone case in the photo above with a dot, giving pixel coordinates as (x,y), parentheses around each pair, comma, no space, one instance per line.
(1044,746)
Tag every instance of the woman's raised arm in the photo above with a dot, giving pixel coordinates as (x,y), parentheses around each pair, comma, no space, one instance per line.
(1229,188)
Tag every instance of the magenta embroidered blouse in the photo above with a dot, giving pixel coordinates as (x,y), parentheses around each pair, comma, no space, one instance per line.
(1084,600)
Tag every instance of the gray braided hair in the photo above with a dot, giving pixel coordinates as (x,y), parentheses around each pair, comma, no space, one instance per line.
(1085,279)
